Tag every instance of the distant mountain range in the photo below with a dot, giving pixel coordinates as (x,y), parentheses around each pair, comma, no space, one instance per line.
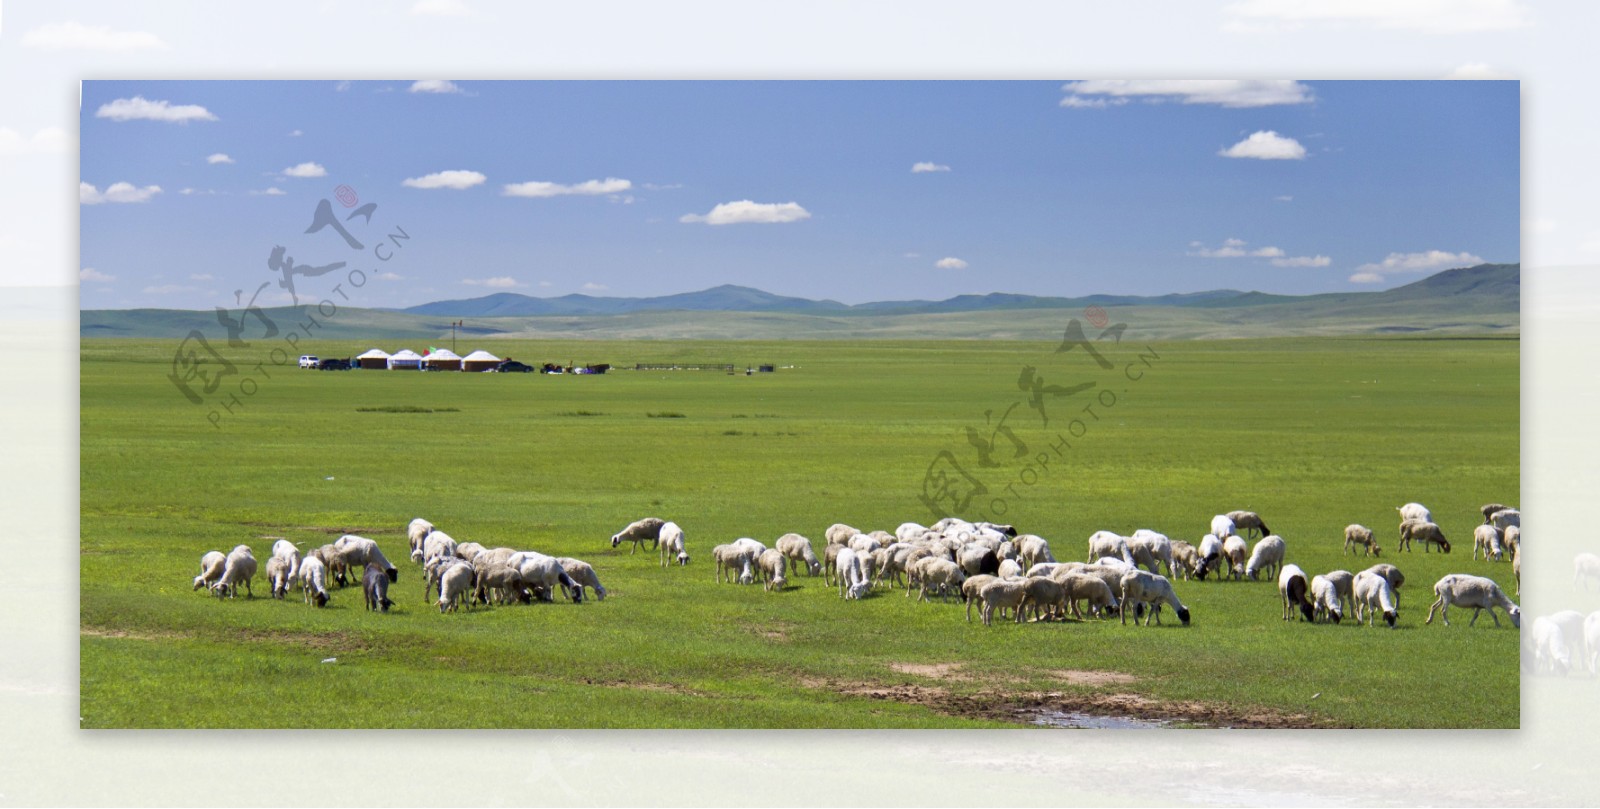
(1470,300)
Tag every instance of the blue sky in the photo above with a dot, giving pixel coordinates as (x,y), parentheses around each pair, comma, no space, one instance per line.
(614,188)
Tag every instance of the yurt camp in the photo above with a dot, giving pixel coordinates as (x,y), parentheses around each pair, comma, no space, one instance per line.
(374,360)
(479,360)
(405,360)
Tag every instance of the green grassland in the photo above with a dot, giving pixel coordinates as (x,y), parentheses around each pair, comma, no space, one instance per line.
(1313,433)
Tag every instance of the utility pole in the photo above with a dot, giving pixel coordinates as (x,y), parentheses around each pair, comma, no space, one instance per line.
(453,325)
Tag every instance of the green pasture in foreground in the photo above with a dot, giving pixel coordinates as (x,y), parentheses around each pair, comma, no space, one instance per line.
(1313,433)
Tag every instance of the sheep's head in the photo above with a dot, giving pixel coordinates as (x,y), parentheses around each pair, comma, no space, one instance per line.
(1308,611)
(616,539)
(199,582)
(321,599)
(1515,614)
(1389,618)
(683,558)
(1376,551)
(394,575)
(1335,615)
(1444,544)
(1183,615)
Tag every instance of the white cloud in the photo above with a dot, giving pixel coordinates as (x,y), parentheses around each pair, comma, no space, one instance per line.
(88,274)
(744,211)
(610,185)
(61,36)
(1266,145)
(593,287)
(1477,71)
(295,133)
(434,86)
(1236,248)
(166,289)
(545,283)
(655,187)
(388,276)
(342,86)
(201,276)
(1366,278)
(1302,261)
(441,8)
(219,158)
(1429,261)
(306,170)
(501,282)
(446,179)
(950,263)
(1427,16)
(269,192)
(140,108)
(1226,93)
(1283,198)
(116,192)
(50,140)
(911,255)
(923,168)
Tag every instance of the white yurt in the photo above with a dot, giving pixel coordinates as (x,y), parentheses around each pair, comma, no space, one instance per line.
(405,360)
(479,360)
(441,360)
(375,359)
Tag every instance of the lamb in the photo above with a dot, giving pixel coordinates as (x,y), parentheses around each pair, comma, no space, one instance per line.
(771,566)
(278,576)
(1356,534)
(582,573)
(839,534)
(1477,592)
(638,531)
(375,587)
(1414,511)
(1032,550)
(1267,554)
(733,557)
(1094,591)
(239,567)
(1141,587)
(1486,538)
(544,571)
(433,571)
(1185,558)
(1550,648)
(1151,550)
(286,550)
(970,590)
(1249,521)
(436,543)
(1425,532)
(1373,593)
(1489,510)
(1234,549)
(670,542)
(1505,518)
(1011,569)
(455,586)
(211,566)
(940,575)
(1106,543)
(1343,582)
(1210,551)
(853,582)
(798,549)
(1325,599)
(417,531)
(314,581)
(1585,566)
(1045,597)
(505,580)
(360,551)
(1222,526)
(1292,585)
(1392,575)
(1001,594)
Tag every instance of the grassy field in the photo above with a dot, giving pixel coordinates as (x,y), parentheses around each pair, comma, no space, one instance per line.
(1313,433)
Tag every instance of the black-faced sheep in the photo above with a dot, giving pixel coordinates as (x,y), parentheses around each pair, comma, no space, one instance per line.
(976,558)
(1141,587)
(1292,585)
(638,532)
(1247,521)
(670,542)
(1356,534)
(1427,533)
(1477,592)
(211,566)
(540,570)
(1266,557)
(375,588)
(1210,551)
(332,562)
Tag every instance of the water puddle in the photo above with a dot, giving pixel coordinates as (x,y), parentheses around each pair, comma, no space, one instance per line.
(1078,720)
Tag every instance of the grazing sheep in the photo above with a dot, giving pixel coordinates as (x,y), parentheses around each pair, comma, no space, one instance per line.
(1234,549)
(638,532)
(360,552)
(544,571)
(1151,550)
(1427,533)
(1490,509)
(332,562)
(890,563)
(830,562)
(1550,647)
(864,543)
(1006,530)
(314,581)
(1032,550)
(1141,587)
(1512,534)
(853,581)
(1344,587)
(1001,594)
(1045,597)
(1267,555)
(417,531)
(1292,585)
(469,550)
(1585,566)
(1325,599)
(211,566)
(1392,575)
(436,543)
(1111,577)
(1505,518)
(278,576)
(1414,511)
(433,571)
(1012,569)
(1486,538)
(1185,558)
(975,558)
(1591,641)
(239,567)
(1210,551)
(1106,543)
(455,586)
(798,550)
(732,557)
(671,544)
(1477,592)
(1222,526)
(1094,591)
(1373,594)
(908,531)
(970,590)
(771,566)
(1516,567)
(839,534)
(1246,521)
(940,575)
(506,582)
(287,551)
(1356,534)
(375,588)
(582,573)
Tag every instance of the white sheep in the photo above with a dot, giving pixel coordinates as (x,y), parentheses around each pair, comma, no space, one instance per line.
(314,581)
(863,543)
(1001,594)
(1505,518)
(638,532)
(1185,559)
(436,543)
(358,552)
(1429,534)
(1082,587)
(278,576)
(1152,550)
(1373,593)
(1572,633)
(1357,534)
(543,571)
(434,569)
(1266,556)
(1414,511)
(1234,550)
(891,562)
(732,557)
(286,550)
(469,550)
(798,550)
(853,581)
(1393,576)
(1111,577)
(977,557)
(238,568)
(1486,538)
(1011,569)
(1325,599)
(1045,597)
(505,580)
(971,589)
(211,566)
(1292,585)
(1344,587)
(417,531)
(1032,550)
(1222,526)
(583,574)
(670,542)
(1512,535)
(1210,551)
(1477,592)
(1585,566)
(1107,543)
(771,566)
(940,575)
(908,531)
(455,586)
(1516,567)
(1142,587)
(839,534)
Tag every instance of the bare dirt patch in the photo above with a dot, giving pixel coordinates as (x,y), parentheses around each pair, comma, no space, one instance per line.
(320,641)
(1092,678)
(108,632)
(937,671)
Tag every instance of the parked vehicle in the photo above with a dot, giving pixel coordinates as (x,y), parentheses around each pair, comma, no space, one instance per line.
(308,361)
(334,364)
(512,366)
